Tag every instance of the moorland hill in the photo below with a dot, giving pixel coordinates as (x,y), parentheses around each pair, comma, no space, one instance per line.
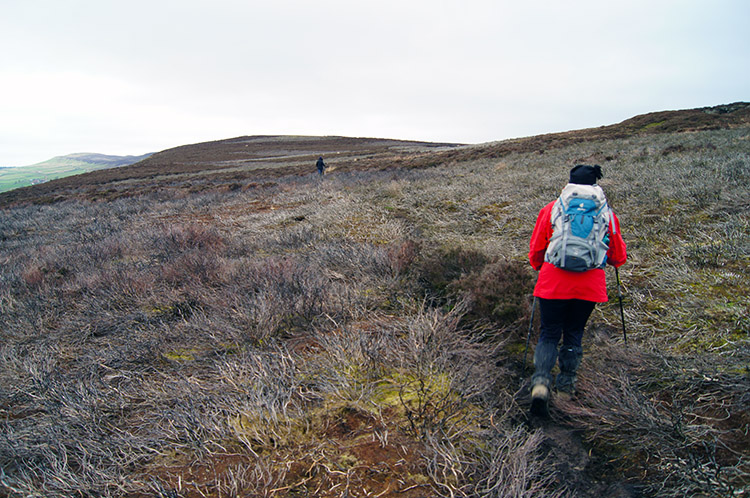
(198,328)
(226,164)
(223,164)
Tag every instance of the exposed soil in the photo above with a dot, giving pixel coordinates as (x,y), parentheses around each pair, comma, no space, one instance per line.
(355,454)
(576,470)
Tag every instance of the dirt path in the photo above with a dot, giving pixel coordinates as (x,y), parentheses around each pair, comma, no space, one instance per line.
(575,468)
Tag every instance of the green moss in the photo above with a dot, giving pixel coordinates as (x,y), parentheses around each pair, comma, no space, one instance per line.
(264,432)
(346,461)
(669,205)
(449,206)
(402,389)
(425,403)
(714,341)
(516,348)
(181,355)
(653,125)
(180,309)
(418,478)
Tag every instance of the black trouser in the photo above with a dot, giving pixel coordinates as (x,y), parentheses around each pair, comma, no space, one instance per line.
(566,319)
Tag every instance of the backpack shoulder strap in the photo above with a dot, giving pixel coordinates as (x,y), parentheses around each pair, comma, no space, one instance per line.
(558,209)
(611,219)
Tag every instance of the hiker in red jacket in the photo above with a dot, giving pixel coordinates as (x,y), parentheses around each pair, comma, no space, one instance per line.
(568,296)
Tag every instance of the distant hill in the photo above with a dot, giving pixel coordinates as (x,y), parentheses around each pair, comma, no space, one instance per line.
(728,116)
(241,161)
(61,167)
(225,164)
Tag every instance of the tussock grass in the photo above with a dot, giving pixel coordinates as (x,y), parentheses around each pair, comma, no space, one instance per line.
(359,335)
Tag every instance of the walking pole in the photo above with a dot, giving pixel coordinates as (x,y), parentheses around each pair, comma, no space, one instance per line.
(528,338)
(622,313)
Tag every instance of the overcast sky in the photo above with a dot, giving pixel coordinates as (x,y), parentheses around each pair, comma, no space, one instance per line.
(130,77)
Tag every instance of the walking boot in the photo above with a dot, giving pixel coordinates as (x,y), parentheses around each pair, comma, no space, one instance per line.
(545,357)
(540,400)
(568,359)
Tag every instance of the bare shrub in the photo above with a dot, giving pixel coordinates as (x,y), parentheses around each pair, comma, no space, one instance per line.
(403,254)
(258,336)
(69,446)
(260,479)
(275,295)
(652,418)
(194,268)
(513,465)
(737,170)
(176,239)
(263,383)
(352,360)
(721,248)
(448,372)
(498,292)
(455,403)
(447,266)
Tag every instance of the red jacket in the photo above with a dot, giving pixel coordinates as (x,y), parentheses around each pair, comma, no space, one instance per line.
(554,283)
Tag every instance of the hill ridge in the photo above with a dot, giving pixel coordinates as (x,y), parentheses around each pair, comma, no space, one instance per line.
(227,163)
(61,167)
(96,157)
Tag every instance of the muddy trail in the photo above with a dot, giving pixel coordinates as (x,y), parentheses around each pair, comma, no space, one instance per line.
(191,331)
(575,469)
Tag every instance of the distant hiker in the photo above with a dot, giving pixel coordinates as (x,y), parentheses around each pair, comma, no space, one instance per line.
(574,238)
(321,166)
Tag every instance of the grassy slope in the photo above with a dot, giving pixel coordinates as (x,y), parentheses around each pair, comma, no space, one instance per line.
(274,339)
(224,164)
(60,167)
(23,176)
(227,164)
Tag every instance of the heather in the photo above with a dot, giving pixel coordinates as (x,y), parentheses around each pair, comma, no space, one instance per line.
(363,334)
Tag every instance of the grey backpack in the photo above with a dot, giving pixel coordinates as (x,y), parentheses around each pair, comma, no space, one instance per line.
(580,229)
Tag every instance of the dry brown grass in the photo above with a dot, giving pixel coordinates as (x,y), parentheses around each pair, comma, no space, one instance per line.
(363,335)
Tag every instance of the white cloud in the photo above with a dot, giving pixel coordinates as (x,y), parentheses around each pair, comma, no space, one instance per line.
(138,76)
